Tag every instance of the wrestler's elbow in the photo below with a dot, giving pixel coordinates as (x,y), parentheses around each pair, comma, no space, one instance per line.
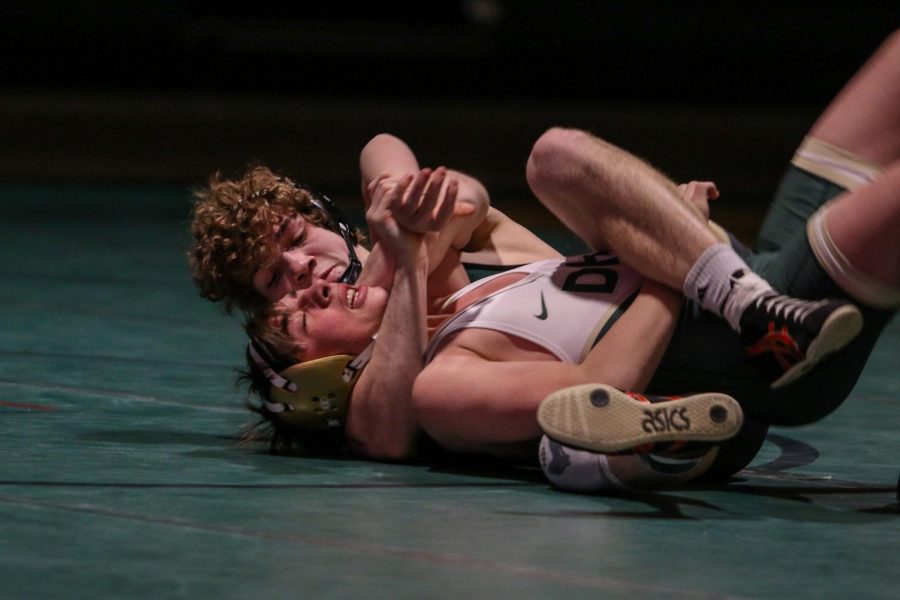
(383,440)
(394,452)
(381,142)
(384,449)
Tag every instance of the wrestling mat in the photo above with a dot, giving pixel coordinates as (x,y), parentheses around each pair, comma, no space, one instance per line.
(121,476)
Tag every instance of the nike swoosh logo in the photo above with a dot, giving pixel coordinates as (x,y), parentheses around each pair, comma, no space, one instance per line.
(543,314)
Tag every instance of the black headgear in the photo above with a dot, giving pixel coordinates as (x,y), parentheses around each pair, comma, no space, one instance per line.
(338,224)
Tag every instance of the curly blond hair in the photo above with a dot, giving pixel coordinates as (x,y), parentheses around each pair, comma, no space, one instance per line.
(232,224)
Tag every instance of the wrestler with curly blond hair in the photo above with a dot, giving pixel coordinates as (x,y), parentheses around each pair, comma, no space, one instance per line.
(235,225)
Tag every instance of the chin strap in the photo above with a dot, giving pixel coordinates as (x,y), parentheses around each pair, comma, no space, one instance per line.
(359,363)
(354,268)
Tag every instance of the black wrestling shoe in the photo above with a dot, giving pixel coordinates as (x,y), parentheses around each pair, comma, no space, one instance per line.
(603,419)
(785,336)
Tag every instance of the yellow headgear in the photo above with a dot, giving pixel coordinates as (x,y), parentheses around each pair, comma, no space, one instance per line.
(313,395)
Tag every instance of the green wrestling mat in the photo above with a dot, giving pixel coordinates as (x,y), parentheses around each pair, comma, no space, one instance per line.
(121,477)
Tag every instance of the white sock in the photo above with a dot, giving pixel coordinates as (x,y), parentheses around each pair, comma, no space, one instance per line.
(709,281)
(574,470)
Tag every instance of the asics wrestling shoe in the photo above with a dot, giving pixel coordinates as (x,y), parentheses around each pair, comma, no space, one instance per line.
(603,419)
(785,336)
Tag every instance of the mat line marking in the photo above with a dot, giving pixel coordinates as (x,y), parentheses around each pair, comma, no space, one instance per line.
(269,486)
(828,485)
(107,358)
(115,394)
(378,550)
(92,311)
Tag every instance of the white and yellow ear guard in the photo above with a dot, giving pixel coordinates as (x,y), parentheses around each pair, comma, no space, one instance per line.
(313,395)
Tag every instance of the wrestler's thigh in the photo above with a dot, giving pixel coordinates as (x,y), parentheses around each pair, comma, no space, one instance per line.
(864,118)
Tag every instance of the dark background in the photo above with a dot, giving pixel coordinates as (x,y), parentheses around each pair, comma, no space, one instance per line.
(166,92)
(661,51)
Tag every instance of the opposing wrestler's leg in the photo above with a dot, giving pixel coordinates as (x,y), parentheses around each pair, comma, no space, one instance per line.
(615,201)
(864,118)
(848,147)
(855,239)
(856,138)
(612,199)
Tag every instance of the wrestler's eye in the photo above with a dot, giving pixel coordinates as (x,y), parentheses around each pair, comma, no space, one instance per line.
(298,238)
(276,275)
(291,323)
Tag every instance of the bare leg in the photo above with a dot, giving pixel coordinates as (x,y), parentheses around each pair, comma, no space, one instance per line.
(613,200)
(864,224)
(864,118)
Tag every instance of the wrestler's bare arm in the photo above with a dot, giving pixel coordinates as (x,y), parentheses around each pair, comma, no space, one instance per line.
(381,423)
(499,241)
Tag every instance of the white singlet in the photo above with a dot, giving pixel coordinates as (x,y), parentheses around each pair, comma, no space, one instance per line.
(562,305)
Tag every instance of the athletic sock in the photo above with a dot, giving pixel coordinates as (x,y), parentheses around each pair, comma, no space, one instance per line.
(574,470)
(709,282)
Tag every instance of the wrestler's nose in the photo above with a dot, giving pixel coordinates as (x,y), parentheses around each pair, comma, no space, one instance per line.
(300,269)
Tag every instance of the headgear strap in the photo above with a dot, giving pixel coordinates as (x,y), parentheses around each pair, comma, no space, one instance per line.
(323,400)
(273,377)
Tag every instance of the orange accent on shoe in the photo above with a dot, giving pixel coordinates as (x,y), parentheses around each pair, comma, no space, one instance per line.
(780,344)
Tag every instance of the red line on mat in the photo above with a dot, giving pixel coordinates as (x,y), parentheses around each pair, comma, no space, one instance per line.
(25,406)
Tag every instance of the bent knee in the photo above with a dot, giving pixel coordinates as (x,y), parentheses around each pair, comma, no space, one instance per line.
(559,157)
(548,150)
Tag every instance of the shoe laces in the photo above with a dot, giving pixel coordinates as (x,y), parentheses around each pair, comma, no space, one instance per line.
(788,308)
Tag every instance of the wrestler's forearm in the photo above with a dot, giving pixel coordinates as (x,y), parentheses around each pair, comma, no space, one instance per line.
(498,240)
(378,270)
(381,423)
(388,155)
(630,352)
